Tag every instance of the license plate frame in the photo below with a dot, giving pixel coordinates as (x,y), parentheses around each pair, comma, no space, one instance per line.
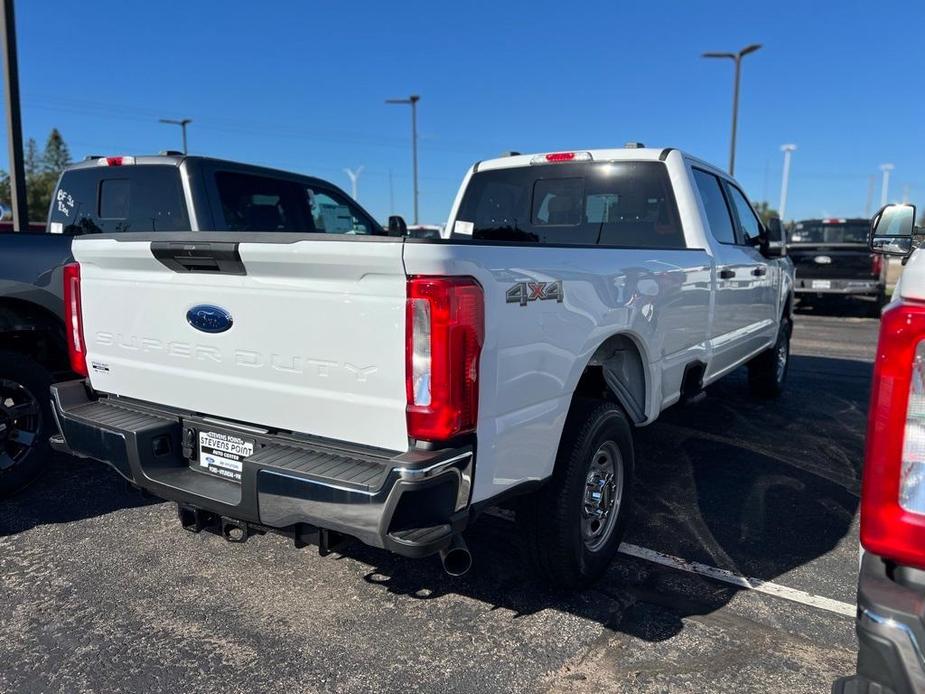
(821,284)
(222,453)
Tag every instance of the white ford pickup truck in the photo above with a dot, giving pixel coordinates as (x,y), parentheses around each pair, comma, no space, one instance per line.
(390,388)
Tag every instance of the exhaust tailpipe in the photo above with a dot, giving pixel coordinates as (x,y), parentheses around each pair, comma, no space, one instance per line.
(455,557)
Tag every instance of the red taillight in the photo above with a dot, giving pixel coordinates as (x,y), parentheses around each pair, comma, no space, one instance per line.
(445,328)
(560,157)
(893,492)
(876,264)
(73,321)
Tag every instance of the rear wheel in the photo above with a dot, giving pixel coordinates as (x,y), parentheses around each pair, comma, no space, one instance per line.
(25,420)
(768,371)
(876,308)
(572,527)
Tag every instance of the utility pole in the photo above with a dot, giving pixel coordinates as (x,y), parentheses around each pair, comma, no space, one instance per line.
(737,58)
(413,102)
(13,120)
(182,123)
(885,185)
(354,177)
(785,180)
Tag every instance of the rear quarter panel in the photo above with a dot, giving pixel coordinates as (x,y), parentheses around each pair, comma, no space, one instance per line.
(534,354)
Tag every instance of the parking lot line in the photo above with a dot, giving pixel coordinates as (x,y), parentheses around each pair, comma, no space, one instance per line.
(767,587)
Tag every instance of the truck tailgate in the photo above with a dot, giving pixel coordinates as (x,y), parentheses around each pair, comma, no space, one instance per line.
(316,342)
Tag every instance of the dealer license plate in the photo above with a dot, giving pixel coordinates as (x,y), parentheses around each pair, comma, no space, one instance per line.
(223,454)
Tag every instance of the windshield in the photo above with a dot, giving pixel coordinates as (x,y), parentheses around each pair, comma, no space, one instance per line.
(627,204)
(854,231)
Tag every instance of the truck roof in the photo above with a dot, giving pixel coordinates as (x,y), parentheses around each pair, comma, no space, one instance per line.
(631,152)
(177,158)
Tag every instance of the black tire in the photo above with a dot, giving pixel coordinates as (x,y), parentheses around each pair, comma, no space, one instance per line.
(767,372)
(554,523)
(26,421)
(876,308)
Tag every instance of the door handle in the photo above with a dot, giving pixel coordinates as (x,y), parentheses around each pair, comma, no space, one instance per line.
(726,274)
(759,271)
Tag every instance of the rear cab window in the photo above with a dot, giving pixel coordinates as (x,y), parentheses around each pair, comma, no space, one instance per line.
(117,199)
(623,204)
(831,231)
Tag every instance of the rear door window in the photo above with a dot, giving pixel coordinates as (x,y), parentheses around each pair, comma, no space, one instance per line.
(261,203)
(254,202)
(626,204)
(115,199)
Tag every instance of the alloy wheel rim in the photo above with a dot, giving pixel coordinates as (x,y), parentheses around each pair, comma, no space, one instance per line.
(20,422)
(783,354)
(603,494)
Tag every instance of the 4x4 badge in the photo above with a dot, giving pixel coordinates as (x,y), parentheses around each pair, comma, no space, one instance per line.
(522,292)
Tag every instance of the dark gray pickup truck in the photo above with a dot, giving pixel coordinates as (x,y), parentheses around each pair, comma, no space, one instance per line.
(167,192)
(33,352)
(832,261)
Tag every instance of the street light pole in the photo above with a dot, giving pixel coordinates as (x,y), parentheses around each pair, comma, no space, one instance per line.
(14,121)
(413,102)
(354,177)
(885,185)
(785,180)
(737,58)
(182,123)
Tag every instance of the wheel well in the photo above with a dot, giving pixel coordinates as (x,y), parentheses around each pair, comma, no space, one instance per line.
(34,332)
(616,371)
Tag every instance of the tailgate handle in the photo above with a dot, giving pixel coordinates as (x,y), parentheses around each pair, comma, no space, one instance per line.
(210,257)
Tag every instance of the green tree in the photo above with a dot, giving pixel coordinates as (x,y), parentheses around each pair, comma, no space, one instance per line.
(31,159)
(56,157)
(765,211)
(42,173)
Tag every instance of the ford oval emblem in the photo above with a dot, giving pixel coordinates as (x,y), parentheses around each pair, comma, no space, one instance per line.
(209,319)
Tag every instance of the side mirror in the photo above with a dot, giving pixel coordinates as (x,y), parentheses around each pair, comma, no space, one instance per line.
(775,230)
(770,239)
(774,239)
(892,229)
(397,226)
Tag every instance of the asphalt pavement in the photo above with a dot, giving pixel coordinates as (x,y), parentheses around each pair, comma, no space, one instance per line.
(101,590)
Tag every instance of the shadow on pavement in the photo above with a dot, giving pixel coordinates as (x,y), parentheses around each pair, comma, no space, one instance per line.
(70,489)
(756,487)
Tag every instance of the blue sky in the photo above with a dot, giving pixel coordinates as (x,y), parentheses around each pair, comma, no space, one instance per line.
(301,86)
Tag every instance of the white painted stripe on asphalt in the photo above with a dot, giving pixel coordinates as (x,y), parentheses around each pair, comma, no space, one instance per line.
(767,587)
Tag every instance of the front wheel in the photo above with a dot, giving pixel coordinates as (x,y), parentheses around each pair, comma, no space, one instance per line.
(572,527)
(768,371)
